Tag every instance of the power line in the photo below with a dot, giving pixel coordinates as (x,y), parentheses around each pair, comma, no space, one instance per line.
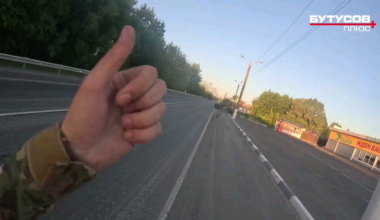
(336,10)
(285,31)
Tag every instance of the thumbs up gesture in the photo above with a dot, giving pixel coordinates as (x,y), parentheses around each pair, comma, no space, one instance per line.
(114,110)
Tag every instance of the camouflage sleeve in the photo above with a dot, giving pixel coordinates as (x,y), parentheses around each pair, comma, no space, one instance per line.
(33,178)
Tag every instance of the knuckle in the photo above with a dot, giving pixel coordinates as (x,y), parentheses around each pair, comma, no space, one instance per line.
(162,84)
(150,134)
(150,71)
(145,102)
(138,121)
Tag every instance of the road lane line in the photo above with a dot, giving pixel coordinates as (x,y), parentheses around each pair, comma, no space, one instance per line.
(336,170)
(293,199)
(38,81)
(305,215)
(61,110)
(262,158)
(276,176)
(72,84)
(169,202)
(32,112)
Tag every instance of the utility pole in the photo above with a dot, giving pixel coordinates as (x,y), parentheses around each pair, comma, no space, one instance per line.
(245,82)
(225,96)
(242,90)
(237,90)
(236,93)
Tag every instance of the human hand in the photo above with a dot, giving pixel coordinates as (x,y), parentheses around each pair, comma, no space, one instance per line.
(113,111)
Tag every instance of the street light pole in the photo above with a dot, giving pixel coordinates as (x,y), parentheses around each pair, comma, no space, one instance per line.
(237,90)
(242,89)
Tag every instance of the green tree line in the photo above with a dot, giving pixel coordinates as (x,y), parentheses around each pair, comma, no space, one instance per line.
(78,33)
(310,113)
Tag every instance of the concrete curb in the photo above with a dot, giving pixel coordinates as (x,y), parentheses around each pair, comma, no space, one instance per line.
(293,199)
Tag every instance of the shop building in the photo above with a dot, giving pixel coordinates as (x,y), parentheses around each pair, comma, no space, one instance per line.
(290,128)
(359,148)
(245,108)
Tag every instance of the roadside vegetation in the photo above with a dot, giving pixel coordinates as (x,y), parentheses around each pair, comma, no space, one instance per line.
(78,33)
(271,106)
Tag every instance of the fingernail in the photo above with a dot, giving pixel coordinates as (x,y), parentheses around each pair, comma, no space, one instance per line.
(128,135)
(127,123)
(123,34)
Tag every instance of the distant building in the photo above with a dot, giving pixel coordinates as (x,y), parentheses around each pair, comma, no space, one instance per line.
(244,108)
(289,127)
(359,148)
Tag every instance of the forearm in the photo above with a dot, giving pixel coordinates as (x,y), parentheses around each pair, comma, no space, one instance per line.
(32,179)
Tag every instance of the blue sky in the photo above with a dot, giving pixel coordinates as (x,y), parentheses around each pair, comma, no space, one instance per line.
(340,69)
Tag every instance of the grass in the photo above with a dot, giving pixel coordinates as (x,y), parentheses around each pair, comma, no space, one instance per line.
(262,120)
(8,63)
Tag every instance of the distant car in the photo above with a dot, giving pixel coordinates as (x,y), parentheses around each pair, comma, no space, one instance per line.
(226,105)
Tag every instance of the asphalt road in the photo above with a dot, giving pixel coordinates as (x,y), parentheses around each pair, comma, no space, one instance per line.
(134,188)
(328,187)
(227,181)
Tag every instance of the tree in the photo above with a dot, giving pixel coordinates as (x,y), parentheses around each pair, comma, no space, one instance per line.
(271,106)
(269,102)
(335,123)
(78,33)
(235,98)
(309,113)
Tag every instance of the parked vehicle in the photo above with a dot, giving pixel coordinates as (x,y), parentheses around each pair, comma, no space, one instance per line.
(226,105)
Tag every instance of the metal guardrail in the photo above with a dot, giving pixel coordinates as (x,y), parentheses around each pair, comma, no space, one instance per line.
(59,67)
(25,60)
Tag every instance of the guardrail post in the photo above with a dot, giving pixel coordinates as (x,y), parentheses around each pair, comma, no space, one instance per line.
(23,65)
(59,71)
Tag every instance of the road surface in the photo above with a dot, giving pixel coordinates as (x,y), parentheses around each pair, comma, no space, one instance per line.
(329,188)
(138,185)
(225,181)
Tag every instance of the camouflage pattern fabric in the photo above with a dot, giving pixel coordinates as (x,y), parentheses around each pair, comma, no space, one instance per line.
(33,178)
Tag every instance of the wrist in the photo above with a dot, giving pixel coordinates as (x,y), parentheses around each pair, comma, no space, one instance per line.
(68,147)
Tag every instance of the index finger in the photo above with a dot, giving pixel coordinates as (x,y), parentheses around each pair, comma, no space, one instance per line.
(107,67)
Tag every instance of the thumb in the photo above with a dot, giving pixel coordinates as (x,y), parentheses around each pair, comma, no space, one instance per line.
(108,66)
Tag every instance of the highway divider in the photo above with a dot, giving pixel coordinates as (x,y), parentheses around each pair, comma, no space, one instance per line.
(293,199)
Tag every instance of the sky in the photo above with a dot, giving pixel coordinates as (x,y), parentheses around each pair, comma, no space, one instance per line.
(340,69)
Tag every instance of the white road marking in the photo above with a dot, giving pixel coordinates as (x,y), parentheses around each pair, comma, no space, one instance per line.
(276,176)
(73,84)
(60,110)
(262,158)
(302,211)
(348,177)
(169,202)
(38,81)
(32,112)
(254,147)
